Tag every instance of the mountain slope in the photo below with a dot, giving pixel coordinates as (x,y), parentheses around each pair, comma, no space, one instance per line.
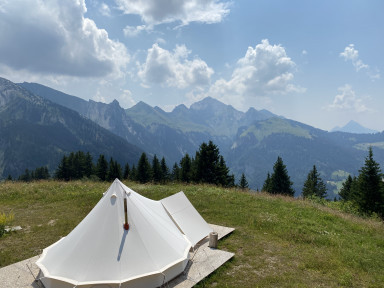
(37,132)
(257,147)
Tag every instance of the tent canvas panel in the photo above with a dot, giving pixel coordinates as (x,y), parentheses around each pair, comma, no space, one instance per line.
(186,217)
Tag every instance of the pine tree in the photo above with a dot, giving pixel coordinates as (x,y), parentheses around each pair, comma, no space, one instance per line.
(346,190)
(207,163)
(185,169)
(164,171)
(231,181)
(209,166)
(40,173)
(314,185)
(144,173)
(280,181)
(243,184)
(133,173)
(370,186)
(102,168)
(63,170)
(114,170)
(222,175)
(267,184)
(127,172)
(88,165)
(175,176)
(26,177)
(156,169)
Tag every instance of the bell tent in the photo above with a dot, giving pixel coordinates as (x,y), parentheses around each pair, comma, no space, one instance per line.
(104,252)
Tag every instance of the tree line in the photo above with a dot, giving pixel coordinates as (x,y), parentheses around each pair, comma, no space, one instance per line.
(207,166)
(365,191)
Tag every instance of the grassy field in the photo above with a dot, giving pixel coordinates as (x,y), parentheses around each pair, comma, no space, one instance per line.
(278,241)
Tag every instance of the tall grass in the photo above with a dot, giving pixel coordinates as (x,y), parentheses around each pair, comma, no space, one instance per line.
(278,241)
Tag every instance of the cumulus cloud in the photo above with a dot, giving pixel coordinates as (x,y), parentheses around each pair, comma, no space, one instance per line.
(264,70)
(174,69)
(351,54)
(53,38)
(154,12)
(346,99)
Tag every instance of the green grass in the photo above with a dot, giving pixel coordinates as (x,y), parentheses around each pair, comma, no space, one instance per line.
(265,128)
(278,241)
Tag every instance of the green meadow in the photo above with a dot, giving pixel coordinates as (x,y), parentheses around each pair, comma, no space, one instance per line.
(278,241)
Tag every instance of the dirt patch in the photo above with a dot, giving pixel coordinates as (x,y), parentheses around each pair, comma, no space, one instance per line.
(52,222)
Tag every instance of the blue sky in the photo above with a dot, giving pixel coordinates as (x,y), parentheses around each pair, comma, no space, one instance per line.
(317,62)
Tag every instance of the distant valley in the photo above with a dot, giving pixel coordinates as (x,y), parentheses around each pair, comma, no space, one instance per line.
(249,141)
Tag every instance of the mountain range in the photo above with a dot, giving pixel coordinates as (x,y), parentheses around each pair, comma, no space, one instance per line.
(36,132)
(249,141)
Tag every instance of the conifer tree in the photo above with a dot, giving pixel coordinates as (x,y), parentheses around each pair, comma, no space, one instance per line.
(88,165)
(207,163)
(243,184)
(209,166)
(175,176)
(280,181)
(222,175)
(156,170)
(26,177)
(230,181)
(127,172)
(164,171)
(102,168)
(314,185)
(114,170)
(63,170)
(133,173)
(346,189)
(370,186)
(267,184)
(144,173)
(40,173)
(185,169)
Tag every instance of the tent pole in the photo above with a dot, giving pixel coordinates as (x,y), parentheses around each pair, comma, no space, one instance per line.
(126,225)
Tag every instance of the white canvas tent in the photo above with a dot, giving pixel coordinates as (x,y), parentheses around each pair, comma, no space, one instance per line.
(100,253)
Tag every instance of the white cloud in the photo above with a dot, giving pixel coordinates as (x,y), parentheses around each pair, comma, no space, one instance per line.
(105,10)
(174,69)
(155,12)
(54,38)
(263,71)
(347,100)
(351,54)
(132,31)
